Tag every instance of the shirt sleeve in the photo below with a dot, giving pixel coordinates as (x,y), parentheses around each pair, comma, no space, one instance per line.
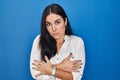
(79,54)
(35,55)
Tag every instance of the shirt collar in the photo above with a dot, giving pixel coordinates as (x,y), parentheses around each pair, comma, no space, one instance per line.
(67,37)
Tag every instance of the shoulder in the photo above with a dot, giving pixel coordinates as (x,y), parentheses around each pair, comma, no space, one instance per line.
(37,37)
(77,39)
(36,40)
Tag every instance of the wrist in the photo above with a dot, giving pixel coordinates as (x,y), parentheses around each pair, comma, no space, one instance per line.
(58,66)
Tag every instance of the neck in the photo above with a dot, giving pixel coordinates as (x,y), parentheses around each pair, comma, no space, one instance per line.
(60,40)
(59,43)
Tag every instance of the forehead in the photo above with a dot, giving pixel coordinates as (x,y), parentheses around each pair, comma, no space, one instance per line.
(53,17)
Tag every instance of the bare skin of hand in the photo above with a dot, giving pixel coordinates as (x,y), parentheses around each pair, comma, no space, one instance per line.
(70,66)
(65,65)
(45,68)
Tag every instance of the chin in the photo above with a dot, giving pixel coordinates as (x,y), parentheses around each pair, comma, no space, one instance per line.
(56,37)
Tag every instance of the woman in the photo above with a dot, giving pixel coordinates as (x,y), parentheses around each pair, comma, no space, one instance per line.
(56,53)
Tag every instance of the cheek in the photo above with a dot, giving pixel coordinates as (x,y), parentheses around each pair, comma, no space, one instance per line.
(62,28)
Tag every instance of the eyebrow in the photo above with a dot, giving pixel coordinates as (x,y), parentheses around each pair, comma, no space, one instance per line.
(55,20)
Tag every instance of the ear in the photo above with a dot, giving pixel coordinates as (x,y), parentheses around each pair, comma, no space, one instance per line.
(65,21)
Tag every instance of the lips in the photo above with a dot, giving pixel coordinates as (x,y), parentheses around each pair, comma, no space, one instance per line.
(55,34)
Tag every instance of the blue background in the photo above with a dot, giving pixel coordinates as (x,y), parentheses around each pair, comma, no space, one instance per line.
(96,21)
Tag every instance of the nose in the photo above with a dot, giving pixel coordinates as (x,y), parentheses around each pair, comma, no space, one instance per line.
(53,28)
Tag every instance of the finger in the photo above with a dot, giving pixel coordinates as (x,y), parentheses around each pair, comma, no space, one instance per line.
(76,67)
(38,61)
(75,71)
(76,61)
(81,63)
(36,68)
(78,64)
(46,58)
(68,58)
(36,64)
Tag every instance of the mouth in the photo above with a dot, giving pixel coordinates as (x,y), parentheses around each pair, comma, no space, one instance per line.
(55,34)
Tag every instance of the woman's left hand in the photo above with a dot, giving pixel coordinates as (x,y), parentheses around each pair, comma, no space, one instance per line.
(43,67)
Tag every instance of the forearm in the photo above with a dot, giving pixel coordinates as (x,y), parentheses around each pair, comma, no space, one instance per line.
(60,73)
(58,66)
(63,75)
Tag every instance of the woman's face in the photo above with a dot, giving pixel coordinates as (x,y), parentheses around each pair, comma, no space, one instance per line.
(55,25)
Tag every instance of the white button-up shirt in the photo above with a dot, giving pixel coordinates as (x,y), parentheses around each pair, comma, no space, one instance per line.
(72,44)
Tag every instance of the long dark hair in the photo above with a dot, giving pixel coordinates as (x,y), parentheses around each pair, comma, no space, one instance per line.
(47,42)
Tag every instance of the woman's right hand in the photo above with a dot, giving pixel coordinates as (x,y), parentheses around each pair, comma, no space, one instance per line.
(70,66)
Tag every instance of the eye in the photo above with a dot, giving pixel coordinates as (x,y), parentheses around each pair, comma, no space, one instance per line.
(57,22)
(47,24)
